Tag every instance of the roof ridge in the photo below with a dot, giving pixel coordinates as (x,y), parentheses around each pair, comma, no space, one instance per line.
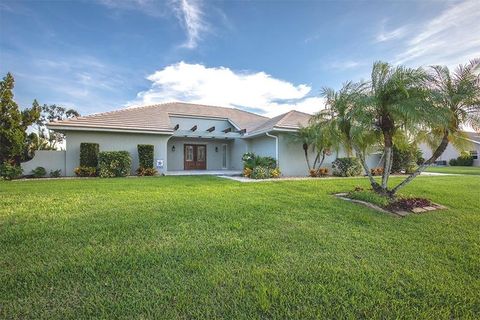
(168,103)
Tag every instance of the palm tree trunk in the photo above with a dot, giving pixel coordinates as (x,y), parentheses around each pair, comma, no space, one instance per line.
(373,183)
(316,160)
(323,158)
(305,151)
(436,154)
(388,160)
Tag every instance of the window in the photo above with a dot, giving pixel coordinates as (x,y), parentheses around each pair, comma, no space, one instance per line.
(224,156)
(189,153)
(201,153)
(474,154)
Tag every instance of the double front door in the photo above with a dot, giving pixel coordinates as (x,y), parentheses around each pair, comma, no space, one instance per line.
(195,156)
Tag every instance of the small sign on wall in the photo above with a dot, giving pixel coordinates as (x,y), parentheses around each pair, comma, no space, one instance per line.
(159,163)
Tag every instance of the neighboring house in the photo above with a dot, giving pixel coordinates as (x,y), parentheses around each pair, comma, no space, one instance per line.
(189,137)
(452,153)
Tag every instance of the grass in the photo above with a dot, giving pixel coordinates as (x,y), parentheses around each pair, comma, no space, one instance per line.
(369,196)
(203,247)
(455,170)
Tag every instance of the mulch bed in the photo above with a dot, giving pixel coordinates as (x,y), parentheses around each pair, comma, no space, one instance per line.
(401,207)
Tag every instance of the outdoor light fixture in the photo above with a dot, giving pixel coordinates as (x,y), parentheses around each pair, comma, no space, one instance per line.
(216,149)
(173,148)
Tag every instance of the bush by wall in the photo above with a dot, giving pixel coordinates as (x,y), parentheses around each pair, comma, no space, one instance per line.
(146,171)
(465,160)
(346,167)
(261,172)
(9,171)
(89,154)
(85,171)
(114,164)
(319,172)
(251,160)
(39,172)
(406,159)
(55,173)
(145,155)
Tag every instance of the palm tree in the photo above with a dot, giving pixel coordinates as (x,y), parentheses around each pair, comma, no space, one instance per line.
(315,138)
(305,137)
(458,94)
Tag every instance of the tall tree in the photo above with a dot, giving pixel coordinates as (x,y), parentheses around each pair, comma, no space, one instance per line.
(13,122)
(394,103)
(458,94)
(50,140)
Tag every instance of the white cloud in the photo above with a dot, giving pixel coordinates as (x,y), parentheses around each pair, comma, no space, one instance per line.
(191,17)
(224,87)
(188,12)
(344,65)
(398,33)
(451,38)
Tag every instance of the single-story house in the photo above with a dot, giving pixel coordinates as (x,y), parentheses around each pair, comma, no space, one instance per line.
(186,137)
(451,152)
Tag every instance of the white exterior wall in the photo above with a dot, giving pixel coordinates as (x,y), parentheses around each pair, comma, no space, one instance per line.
(185,123)
(114,141)
(291,155)
(263,146)
(450,153)
(49,159)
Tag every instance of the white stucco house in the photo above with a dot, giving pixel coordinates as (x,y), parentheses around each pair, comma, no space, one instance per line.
(451,152)
(187,138)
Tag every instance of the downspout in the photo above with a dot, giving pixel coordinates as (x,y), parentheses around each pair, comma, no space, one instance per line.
(276,147)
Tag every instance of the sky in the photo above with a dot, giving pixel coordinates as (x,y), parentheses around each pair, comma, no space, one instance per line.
(267,57)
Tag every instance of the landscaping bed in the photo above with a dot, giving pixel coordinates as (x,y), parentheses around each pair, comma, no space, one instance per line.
(401,206)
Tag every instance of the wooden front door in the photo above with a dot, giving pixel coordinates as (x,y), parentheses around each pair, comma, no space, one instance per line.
(195,157)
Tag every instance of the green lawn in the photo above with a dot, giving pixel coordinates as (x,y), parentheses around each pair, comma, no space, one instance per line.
(455,170)
(205,248)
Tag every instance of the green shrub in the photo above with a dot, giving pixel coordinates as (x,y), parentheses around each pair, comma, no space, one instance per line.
(251,160)
(260,173)
(146,171)
(406,160)
(346,167)
(55,173)
(114,164)
(9,171)
(85,171)
(39,172)
(145,155)
(465,160)
(89,154)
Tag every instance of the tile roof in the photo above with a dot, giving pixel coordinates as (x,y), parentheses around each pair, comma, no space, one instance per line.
(156,118)
(290,120)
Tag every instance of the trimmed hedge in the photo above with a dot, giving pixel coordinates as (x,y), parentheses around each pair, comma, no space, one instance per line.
(346,167)
(465,160)
(114,164)
(9,171)
(85,171)
(145,155)
(39,172)
(89,154)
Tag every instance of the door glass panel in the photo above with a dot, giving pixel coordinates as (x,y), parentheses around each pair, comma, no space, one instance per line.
(224,156)
(189,153)
(201,153)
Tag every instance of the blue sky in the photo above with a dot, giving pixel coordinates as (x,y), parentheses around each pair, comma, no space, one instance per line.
(264,56)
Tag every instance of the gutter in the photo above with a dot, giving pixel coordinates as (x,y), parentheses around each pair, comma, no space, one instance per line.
(276,146)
